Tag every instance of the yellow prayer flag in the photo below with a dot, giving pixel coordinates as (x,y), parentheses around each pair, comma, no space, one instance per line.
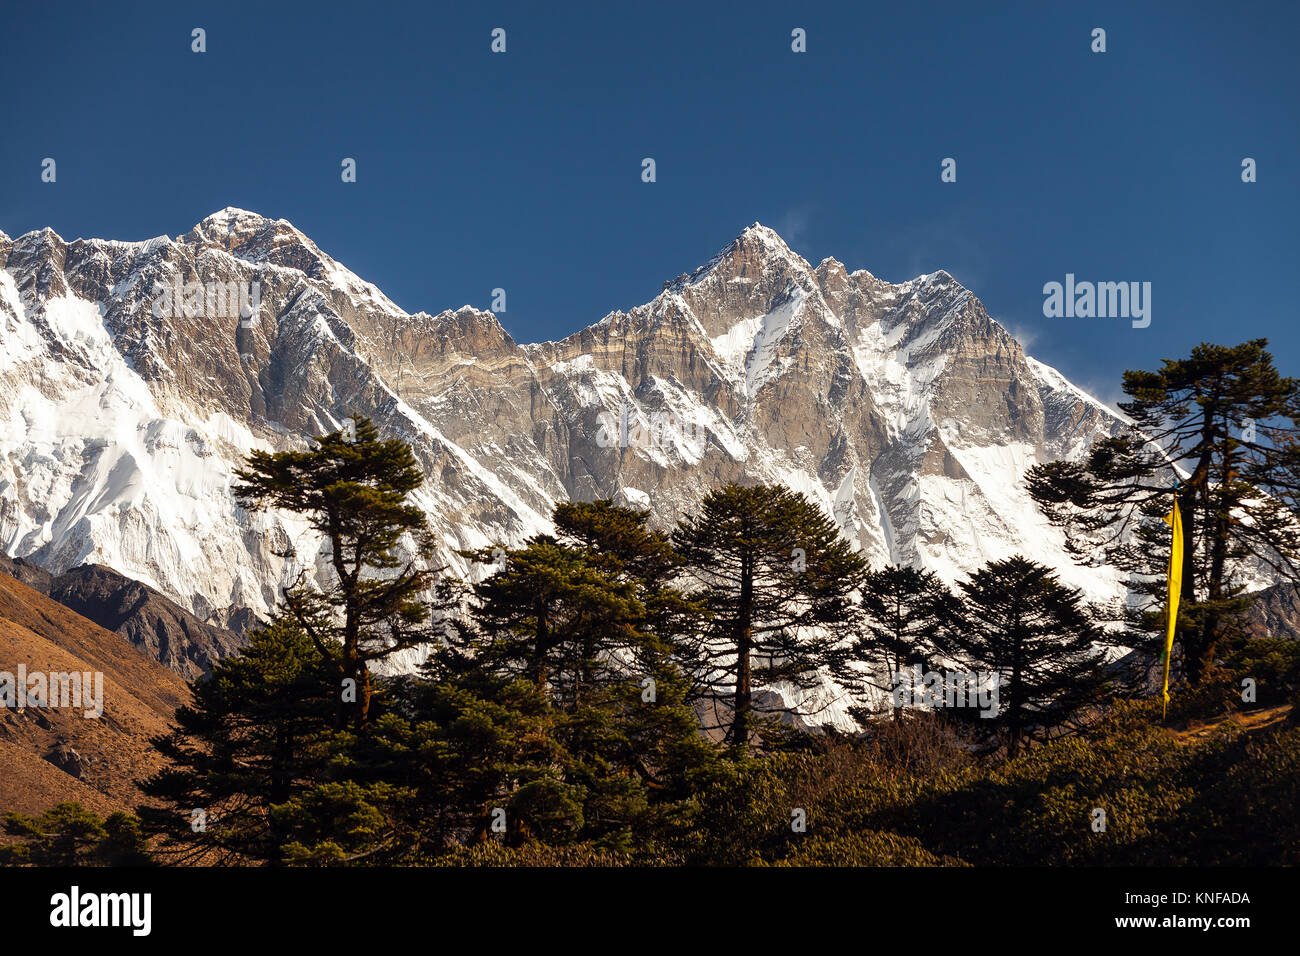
(1175,520)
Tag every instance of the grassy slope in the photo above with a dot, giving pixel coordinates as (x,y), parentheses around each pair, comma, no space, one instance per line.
(140,697)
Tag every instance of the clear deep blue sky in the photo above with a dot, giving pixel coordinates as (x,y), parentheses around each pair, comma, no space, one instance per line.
(523,170)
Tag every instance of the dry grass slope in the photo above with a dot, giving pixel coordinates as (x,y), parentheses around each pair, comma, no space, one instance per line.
(53,754)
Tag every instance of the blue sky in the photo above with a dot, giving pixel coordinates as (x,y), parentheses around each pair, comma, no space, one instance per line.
(523,170)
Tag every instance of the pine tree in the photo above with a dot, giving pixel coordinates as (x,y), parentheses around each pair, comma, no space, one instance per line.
(620,542)
(903,609)
(254,736)
(551,615)
(778,581)
(472,753)
(589,621)
(354,490)
(1227,414)
(1018,620)
(660,732)
(69,835)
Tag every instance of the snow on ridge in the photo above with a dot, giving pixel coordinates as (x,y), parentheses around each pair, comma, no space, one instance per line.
(232,213)
(751,344)
(769,238)
(109,466)
(121,483)
(772,244)
(146,246)
(332,273)
(1058,382)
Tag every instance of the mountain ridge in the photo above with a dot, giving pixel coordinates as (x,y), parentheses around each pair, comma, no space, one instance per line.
(905,410)
(151,622)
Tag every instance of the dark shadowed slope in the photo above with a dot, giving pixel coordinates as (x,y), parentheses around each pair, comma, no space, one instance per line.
(153,623)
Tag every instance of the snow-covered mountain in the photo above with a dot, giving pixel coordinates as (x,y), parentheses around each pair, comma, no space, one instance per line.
(903,409)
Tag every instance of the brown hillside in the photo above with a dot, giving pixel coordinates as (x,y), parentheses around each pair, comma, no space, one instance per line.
(56,753)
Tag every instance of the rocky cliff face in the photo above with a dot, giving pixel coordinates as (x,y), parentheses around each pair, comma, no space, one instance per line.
(1275,612)
(903,409)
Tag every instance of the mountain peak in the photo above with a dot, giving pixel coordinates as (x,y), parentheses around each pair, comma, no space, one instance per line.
(761,234)
(231,216)
(756,243)
(44,234)
(232,226)
(258,239)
